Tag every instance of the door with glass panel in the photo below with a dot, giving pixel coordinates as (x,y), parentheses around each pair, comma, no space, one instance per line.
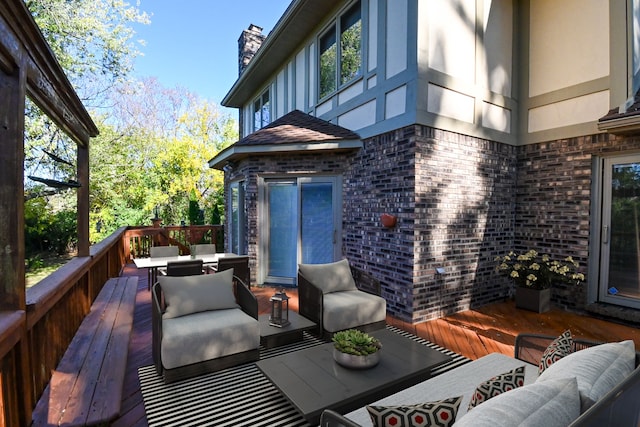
(303,218)
(620,232)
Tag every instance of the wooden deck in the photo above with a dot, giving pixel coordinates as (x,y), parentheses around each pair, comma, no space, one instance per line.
(473,333)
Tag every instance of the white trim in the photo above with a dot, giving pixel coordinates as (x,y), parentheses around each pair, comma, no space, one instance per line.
(234,150)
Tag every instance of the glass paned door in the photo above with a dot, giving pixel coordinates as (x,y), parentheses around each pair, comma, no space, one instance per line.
(282,207)
(620,251)
(317,229)
(303,217)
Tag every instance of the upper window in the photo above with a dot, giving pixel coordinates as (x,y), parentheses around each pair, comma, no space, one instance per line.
(261,111)
(635,46)
(341,63)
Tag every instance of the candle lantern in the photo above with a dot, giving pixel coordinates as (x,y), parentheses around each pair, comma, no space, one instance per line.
(279,309)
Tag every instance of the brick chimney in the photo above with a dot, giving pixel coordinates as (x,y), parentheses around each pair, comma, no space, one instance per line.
(248,44)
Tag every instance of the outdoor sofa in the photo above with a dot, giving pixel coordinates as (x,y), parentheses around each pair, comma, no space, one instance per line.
(202,324)
(337,296)
(594,385)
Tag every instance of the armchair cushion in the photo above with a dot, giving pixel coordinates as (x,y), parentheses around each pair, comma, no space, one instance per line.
(331,277)
(193,294)
(207,335)
(350,309)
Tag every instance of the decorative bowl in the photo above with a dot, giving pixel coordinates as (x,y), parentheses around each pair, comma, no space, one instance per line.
(352,361)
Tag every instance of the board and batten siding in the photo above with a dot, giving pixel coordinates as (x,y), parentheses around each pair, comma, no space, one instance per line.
(512,72)
(568,64)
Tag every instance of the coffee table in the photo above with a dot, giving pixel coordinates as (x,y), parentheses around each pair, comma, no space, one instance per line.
(273,336)
(312,381)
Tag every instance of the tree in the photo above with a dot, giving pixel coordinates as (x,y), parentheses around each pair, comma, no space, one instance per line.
(154,142)
(93,41)
(153,152)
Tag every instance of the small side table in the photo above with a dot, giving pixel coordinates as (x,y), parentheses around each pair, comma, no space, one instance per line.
(272,336)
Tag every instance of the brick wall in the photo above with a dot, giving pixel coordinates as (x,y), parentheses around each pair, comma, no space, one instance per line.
(454,198)
(554,201)
(249,42)
(460,202)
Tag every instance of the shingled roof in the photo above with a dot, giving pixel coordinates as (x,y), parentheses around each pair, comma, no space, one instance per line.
(293,132)
(624,119)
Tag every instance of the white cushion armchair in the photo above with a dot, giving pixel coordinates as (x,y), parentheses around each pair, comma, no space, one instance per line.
(338,297)
(201,325)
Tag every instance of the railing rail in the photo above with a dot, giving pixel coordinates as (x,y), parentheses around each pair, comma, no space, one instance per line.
(138,240)
(32,341)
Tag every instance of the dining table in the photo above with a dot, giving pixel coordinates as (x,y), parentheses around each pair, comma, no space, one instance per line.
(153,264)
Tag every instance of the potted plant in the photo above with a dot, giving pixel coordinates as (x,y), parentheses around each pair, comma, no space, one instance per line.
(356,349)
(534,273)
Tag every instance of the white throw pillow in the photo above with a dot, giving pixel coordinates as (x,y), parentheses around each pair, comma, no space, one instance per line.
(192,294)
(331,277)
(549,404)
(598,369)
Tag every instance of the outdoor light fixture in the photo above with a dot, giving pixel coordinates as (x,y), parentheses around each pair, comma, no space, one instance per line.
(229,166)
(279,310)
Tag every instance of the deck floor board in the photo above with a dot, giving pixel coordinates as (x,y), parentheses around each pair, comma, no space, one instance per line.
(473,333)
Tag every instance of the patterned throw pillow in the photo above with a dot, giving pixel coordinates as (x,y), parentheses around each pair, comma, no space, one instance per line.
(440,413)
(559,348)
(497,385)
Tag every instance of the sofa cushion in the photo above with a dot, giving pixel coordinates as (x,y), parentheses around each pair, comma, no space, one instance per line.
(460,381)
(598,369)
(559,348)
(497,385)
(331,277)
(192,294)
(207,335)
(441,413)
(549,404)
(350,309)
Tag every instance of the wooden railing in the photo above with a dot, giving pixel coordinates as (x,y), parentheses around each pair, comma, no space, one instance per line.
(138,240)
(32,341)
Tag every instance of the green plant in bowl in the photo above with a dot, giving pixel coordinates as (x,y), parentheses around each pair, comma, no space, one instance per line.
(353,341)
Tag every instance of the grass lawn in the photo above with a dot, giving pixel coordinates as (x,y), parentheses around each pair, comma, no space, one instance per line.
(49,264)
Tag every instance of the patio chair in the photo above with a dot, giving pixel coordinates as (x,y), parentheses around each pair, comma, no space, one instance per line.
(240,267)
(190,267)
(337,297)
(200,325)
(163,251)
(205,249)
(160,252)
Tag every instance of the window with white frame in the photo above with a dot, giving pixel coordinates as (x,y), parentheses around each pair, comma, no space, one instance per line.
(237,223)
(341,51)
(261,111)
(635,45)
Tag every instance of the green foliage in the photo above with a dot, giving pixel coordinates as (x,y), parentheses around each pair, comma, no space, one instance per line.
(154,142)
(353,341)
(92,39)
(63,232)
(153,151)
(48,230)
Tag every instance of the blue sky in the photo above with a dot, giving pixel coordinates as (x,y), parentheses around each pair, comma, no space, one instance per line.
(194,43)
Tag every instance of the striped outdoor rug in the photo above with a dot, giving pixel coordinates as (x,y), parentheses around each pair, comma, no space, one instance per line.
(238,396)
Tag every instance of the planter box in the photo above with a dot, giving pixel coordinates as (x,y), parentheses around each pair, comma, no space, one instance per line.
(538,300)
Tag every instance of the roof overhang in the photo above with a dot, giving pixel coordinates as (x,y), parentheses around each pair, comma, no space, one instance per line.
(621,125)
(290,32)
(236,153)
